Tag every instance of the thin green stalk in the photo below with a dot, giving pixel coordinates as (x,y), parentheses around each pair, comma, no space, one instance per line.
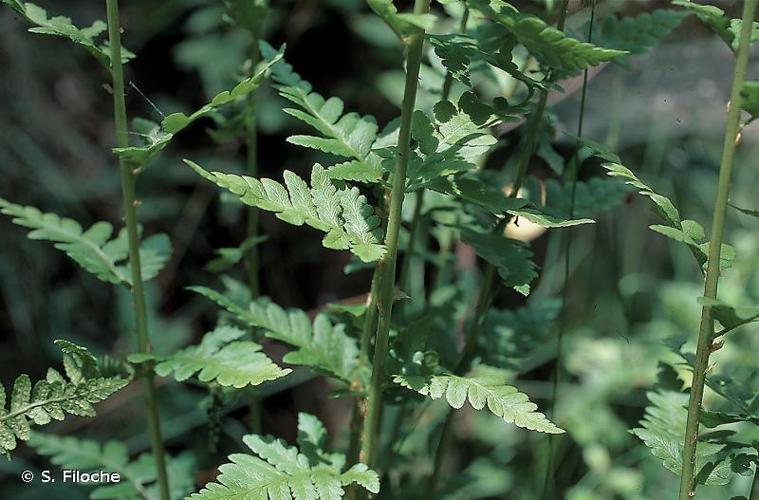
(706,329)
(252,258)
(128,179)
(572,173)
(387,265)
(413,228)
(251,134)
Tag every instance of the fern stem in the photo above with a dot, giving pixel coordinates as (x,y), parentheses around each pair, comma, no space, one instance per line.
(252,261)
(706,328)
(444,95)
(128,180)
(251,134)
(572,173)
(388,263)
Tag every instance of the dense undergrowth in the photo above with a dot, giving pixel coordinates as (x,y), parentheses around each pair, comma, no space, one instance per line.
(451,292)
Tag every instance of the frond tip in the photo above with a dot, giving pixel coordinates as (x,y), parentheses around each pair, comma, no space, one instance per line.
(94,248)
(487,387)
(54,397)
(344,214)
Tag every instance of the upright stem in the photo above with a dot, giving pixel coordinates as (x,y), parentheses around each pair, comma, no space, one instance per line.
(445,93)
(252,260)
(387,265)
(706,329)
(571,177)
(128,178)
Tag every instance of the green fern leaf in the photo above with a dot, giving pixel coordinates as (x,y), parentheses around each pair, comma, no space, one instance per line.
(512,259)
(750,98)
(63,27)
(684,231)
(637,34)
(730,317)
(230,256)
(221,357)
(137,478)
(344,215)
(461,53)
(322,346)
(714,17)
(486,387)
(93,249)
(276,470)
(663,431)
(348,136)
(54,397)
(402,25)
(552,47)
(160,136)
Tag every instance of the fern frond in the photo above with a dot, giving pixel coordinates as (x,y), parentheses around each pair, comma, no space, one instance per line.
(322,346)
(750,98)
(54,397)
(160,136)
(137,477)
(93,249)
(638,34)
(512,259)
(221,357)
(716,19)
(276,470)
(451,142)
(685,231)
(486,387)
(348,135)
(63,27)
(551,46)
(402,24)
(344,215)
(663,432)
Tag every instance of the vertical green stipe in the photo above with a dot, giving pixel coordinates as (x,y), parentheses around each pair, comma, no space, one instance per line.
(386,274)
(706,328)
(128,178)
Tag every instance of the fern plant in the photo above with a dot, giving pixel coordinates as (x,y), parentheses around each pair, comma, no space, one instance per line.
(433,200)
(86,382)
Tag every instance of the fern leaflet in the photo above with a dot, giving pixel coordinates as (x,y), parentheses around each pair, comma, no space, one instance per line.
(137,477)
(54,397)
(487,387)
(663,431)
(344,215)
(158,137)
(322,346)
(348,136)
(221,357)
(63,27)
(276,470)
(549,45)
(93,249)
